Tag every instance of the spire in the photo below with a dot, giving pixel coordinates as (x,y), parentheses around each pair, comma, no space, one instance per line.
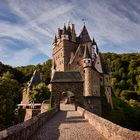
(86,53)
(84,36)
(55,39)
(64,30)
(93,41)
(69,32)
(73,33)
(59,34)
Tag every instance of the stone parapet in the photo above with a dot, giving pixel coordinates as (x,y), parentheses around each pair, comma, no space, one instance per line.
(24,130)
(108,129)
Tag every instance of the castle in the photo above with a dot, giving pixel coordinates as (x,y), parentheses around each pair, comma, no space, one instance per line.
(79,55)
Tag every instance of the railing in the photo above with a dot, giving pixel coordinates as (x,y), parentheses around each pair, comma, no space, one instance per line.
(24,130)
(108,129)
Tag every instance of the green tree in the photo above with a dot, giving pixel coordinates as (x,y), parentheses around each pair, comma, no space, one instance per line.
(9,97)
(39,93)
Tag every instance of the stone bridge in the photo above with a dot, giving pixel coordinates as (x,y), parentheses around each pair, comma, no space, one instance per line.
(68,124)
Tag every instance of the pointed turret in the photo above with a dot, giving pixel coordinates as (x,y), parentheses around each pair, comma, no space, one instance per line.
(59,33)
(64,30)
(84,35)
(73,34)
(69,32)
(64,35)
(55,40)
(93,41)
(87,58)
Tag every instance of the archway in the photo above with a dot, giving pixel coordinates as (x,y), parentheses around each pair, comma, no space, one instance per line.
(67,81)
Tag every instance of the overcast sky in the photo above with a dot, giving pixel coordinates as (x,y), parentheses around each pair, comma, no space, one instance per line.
(27,27)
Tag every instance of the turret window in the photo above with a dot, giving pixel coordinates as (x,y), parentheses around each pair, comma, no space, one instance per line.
(88,61)
(101,79)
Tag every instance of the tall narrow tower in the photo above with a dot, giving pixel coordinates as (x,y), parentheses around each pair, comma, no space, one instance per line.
(92,98)
(87,65)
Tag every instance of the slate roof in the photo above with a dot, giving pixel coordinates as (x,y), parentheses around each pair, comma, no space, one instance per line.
(73,76)
(84,36)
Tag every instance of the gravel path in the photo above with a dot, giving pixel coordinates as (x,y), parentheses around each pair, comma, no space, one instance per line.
(67,125)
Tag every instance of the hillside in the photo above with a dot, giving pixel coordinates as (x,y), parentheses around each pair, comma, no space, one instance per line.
(125,81)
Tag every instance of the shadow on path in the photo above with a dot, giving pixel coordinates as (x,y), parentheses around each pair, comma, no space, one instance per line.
(67,125)
(50,130)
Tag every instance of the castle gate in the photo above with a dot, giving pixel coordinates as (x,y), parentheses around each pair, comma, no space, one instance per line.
(67,81)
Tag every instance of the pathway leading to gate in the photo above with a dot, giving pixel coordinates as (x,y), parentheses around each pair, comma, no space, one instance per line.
(68,124)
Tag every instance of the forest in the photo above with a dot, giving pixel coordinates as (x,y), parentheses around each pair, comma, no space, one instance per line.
(125,82)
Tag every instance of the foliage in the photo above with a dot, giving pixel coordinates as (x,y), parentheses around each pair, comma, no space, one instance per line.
(17,75)
(9,97)
(12,80)
(39,93)
(125,115)
(125,82)
(45,70)
(125,75)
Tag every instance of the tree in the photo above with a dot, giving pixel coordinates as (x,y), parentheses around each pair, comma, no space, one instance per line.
(39,93)
(9,97)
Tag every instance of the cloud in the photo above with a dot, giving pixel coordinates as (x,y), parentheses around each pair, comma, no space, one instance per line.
(31,24)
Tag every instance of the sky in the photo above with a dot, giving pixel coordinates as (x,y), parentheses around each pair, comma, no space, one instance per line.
(27,27)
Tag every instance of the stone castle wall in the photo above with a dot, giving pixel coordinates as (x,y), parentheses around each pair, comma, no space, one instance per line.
(24,130)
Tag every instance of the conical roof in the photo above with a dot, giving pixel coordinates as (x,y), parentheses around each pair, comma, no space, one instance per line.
(55,39)
(93,41)
(84,35)
(64,30)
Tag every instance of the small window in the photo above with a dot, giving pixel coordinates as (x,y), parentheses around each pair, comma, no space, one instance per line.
(88,61)
(101,79)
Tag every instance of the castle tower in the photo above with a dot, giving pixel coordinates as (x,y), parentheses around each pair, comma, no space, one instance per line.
(80,53)
(91,88)
(63,46)
(73,34)
(87,65)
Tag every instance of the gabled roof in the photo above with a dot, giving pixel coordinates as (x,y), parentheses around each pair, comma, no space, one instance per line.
(84,35)
(81,49)
(73,76)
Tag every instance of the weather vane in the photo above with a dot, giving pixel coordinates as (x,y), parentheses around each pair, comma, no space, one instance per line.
(84,20)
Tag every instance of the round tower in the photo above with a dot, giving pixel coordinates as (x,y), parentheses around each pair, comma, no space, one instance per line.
(87,65)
